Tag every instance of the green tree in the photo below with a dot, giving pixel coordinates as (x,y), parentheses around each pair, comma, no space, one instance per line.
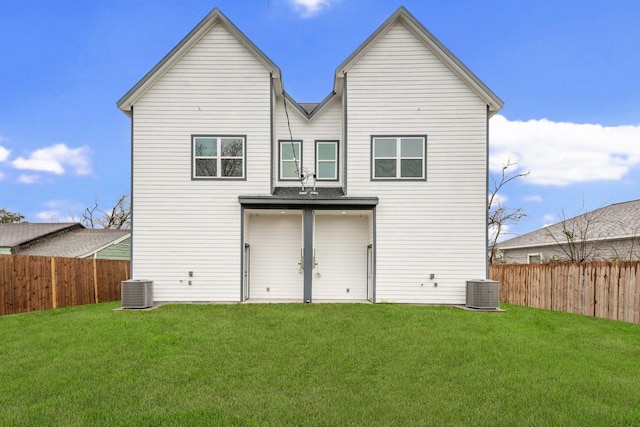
(7,217)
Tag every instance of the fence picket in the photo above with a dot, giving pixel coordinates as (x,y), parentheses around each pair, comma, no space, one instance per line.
(29,283)
(607,290)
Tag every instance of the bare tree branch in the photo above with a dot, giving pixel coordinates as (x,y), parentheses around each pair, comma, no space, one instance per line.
(499,217)
(118,216)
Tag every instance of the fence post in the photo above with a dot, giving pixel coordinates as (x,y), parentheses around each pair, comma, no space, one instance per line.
(95,279)
(54,295)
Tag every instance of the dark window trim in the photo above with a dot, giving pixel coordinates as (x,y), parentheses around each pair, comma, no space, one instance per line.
(218,178)
(315,160)
(289,141)
(372,162)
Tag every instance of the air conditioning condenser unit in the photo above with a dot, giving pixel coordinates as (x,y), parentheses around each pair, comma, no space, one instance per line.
(137,293)
(483,294)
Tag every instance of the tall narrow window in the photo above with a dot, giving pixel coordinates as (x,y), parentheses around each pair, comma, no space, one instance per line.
(398,157)
(290,160)
(218,156)
(327,160)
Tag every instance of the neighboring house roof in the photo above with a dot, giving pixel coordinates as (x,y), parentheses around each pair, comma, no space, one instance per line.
(402,15)
(613,222)
(449,59)
(25,233)
(78,243)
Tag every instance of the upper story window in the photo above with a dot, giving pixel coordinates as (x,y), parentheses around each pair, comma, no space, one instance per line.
(398,157)
(218,156)
(327,160)
(290,159)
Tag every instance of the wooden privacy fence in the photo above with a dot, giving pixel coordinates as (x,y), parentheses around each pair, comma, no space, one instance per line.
(608,290)
(29,283)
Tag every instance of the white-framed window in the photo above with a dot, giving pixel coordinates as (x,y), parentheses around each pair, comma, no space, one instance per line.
(534,258)
(290,155)
(218,156)
(327,160)
(398,157)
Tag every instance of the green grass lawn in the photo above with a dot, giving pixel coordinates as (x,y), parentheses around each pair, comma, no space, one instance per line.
(318,364)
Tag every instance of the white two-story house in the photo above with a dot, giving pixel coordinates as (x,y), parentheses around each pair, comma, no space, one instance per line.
(377,193)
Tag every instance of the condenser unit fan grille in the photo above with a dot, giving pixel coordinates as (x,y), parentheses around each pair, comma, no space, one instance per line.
(137,294)
(484,294)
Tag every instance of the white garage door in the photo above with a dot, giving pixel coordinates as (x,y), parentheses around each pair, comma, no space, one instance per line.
(276,241)
(341,254)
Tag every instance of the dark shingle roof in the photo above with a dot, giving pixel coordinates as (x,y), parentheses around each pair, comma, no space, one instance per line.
(76,243)
(12,235)
(333,197)
(309,106)
(617,221)
(294,193)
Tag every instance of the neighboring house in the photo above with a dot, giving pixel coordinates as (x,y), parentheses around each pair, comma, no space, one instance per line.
(70,240)
(392,203)
(611,233)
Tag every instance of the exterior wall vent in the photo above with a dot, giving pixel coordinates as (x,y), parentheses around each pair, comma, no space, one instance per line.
(483,294)
(137,294)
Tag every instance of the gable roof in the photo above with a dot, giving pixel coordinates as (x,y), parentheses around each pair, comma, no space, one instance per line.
(78,243)
(613,222)
(215,17)
(12,235)
(402,15)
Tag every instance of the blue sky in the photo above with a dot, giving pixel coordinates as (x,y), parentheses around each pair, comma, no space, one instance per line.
(568,72)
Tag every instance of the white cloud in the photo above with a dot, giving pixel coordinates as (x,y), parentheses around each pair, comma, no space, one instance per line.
(548,220)
(499,199)
(56,159)
(28,179)
(560,154)
(54,209)
(4,153)
(1,175)
(309,8)
(54,216)
(505,233)
(533,198)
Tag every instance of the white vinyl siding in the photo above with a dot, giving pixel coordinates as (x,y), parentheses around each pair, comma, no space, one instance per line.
(181,224)
(325,125)
(423,227)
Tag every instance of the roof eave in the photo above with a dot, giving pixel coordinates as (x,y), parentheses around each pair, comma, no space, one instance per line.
(111,243)
(214,17)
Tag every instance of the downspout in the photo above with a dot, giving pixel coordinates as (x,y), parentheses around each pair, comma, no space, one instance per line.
(272,134)
(486,197)
(344,136)
(132,204)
